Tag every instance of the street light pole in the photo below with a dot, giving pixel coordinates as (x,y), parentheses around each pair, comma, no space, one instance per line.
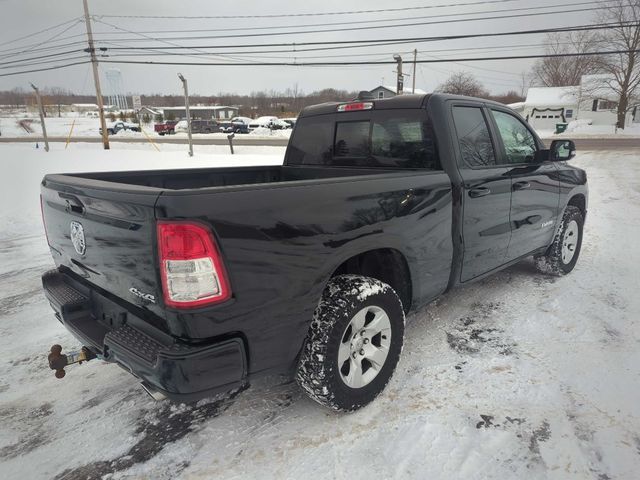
(186,108)
(415,59)
(400,80)
(41,111)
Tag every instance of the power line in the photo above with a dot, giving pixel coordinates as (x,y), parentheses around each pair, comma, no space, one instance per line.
(52,45)
(384,62)
(359,22)
(159,52)
(392,41)
(371,27)
(39,32)
(314,14)
(55,67)
(296,47)
(42,62)
(359,43)
(57,54)
(27,50)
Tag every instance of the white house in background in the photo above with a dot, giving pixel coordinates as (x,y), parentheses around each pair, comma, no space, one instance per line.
(386,91)
(591,101)
(546,106)
(599,102)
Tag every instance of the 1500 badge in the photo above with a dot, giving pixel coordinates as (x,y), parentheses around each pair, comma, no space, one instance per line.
(145,296)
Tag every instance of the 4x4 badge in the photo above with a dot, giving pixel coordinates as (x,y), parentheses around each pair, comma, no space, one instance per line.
(145,296)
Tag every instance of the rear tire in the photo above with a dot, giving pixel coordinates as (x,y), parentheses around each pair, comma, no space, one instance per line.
(562,255)
(354,343)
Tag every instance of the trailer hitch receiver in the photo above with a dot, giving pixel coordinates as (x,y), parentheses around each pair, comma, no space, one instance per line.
(58,360)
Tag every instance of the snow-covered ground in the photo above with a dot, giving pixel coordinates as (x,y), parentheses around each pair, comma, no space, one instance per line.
(84,126)
(517,376)
(583,129)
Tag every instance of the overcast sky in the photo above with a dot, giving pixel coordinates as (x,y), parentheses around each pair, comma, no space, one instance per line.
(22,17)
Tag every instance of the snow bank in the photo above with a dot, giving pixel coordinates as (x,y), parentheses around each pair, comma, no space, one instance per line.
(266,132)
(583,128)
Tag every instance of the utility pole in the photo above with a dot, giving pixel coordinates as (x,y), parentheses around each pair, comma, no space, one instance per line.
(96,76)
(400,80)
(186,108)
(415,60)
(41,110)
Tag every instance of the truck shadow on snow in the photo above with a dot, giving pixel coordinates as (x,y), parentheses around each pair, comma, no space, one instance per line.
(156,430)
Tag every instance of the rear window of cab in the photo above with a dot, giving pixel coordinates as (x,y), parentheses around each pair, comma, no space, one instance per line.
(382,138)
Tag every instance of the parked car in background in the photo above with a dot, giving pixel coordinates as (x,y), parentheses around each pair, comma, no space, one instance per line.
(235,125)
(180,127)
(197,126)
(167,127)
(290,121)
(116,127)
(204,126)
(270,122)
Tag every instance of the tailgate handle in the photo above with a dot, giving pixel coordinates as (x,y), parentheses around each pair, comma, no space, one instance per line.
(73,203)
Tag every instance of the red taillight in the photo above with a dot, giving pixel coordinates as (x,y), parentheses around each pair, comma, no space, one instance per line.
(350,107)
(191,267)
(44,224)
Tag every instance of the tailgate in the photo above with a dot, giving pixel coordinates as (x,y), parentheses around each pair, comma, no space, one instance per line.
(105,233)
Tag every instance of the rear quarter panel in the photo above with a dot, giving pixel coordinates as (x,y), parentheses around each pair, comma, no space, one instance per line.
(282,243)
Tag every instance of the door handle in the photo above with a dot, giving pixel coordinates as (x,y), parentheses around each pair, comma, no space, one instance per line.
(479,192)
(521,185)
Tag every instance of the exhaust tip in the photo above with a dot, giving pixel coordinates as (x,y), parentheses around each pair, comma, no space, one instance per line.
(153,393)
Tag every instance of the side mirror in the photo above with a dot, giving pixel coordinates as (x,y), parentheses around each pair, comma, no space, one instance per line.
(562,150)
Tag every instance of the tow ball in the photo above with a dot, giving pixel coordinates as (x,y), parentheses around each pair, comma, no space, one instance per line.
(58,360)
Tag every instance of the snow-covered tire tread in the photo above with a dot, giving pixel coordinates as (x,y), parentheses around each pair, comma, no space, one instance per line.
(551,262)
(317,372)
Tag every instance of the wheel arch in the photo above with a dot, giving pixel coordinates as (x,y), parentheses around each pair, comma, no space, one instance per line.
(388,265)
(579,200)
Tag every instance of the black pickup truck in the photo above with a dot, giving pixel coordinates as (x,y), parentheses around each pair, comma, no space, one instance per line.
(197,280)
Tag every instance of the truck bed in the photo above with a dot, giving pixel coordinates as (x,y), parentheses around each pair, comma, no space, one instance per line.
(187,179)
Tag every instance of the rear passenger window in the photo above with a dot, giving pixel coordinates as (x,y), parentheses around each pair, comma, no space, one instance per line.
(403,141)
(352,139)
(473,137)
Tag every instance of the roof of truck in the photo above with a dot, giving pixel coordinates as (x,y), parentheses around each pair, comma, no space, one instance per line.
(400,101)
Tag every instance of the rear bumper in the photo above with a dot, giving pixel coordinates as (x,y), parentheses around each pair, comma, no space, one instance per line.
(180,371)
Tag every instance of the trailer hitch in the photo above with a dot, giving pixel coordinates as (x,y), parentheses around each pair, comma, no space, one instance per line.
(58,360)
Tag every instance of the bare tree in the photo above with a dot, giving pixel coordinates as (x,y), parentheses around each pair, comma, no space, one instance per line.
(567,71)
(463,83)
(622,69)
(525,83)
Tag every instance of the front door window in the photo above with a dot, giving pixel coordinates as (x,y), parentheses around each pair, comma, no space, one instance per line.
(519,143)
